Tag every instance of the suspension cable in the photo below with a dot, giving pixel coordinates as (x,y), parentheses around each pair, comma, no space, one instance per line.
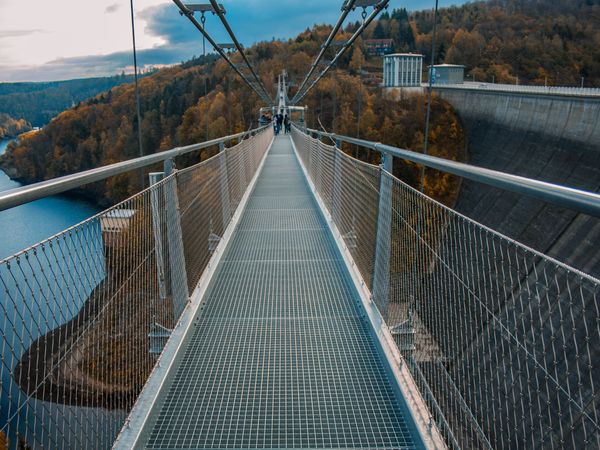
(190,15)
(239,48)
(378,8)
(137,88)
(203,22)
(429,93)
(345,11)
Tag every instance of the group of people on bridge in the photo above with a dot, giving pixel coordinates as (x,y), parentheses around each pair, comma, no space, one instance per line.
(281,121)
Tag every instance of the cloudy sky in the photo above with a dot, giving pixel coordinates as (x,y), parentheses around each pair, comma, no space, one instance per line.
(60,39)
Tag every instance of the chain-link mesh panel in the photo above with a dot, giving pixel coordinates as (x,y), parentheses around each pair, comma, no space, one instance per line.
(350,190)
(502,341)
(76,312)
(85,314)
(209,193)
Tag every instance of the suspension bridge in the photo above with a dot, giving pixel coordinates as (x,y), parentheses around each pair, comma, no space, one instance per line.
(283,294)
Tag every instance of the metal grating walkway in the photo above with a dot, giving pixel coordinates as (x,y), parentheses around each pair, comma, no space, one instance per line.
(280,355)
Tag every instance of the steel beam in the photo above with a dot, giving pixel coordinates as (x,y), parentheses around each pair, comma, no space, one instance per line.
(224,182)
(157,225)
(178,274)
(381,269)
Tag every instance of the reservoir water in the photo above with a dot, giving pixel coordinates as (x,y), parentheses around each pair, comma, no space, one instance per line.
(38,311)
(28,224)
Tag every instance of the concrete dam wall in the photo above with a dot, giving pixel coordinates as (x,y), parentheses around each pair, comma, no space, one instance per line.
(554,138)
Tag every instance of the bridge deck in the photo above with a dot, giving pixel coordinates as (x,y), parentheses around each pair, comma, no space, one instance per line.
(280,355)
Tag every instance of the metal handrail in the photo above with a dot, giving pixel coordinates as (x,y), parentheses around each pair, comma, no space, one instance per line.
(36,191)
(557,91)
(575,199)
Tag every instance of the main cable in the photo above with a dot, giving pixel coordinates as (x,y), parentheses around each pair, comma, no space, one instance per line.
(378,8)
(238,46)
(346,8)
(429,93)
(190,15)
(137,88)
(413,306)
(206,110)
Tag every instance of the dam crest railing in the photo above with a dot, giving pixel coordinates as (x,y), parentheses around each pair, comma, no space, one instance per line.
(569,91)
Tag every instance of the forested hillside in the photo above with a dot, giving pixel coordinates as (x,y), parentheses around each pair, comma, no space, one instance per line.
(538,41)
(10,127)
(176,111)
(37,103)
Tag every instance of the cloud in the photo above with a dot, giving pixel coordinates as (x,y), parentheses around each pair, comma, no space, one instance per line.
(112,8)
(18,33)
(252,21)
(164,21)
(97,65)
(181,42)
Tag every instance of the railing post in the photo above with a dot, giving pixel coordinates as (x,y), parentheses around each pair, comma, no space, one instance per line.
(319,169)
(241,168)
(225,206)
(381,271)
(309,166)
(157,224)
(314,161)
(179,285)
(337,186)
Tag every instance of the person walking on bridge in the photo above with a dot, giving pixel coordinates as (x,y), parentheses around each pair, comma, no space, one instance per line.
(288,124)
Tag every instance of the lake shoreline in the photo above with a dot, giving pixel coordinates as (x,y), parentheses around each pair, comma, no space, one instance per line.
(33,222)
(51,358)
(73,194)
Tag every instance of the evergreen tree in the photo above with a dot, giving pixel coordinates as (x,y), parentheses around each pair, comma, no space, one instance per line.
(379,32)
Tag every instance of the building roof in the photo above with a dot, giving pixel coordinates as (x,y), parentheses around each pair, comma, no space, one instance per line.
(404,54)
(379,41)
(119,214)
(448,65)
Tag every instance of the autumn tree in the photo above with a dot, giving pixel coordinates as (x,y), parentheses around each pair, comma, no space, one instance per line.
(466,48)
(357,61)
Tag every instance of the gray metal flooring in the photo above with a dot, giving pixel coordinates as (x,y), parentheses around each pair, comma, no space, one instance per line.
(280,355)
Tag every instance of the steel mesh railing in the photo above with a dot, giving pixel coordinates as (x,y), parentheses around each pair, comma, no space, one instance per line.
(209,195)
(502,341)
(356,220)
(85,314)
